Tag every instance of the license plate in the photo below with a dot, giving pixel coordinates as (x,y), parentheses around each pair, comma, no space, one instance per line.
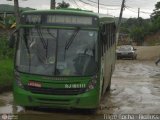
(34,84)
(124,53)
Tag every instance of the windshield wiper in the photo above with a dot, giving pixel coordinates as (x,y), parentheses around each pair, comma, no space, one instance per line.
(27,46)
(41,37)
(70,41)
(68,44)
(45,45)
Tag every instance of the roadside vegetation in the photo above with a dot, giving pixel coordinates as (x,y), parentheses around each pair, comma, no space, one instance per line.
(6,64)
(6,74)
(139,29)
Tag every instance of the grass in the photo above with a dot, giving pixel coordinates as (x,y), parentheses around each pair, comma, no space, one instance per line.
(6,74)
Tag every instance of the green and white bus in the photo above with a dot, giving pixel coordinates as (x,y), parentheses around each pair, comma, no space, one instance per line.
(64,58)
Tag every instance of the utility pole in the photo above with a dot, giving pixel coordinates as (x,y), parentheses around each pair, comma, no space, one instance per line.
(16,11)
(98,6)
(120,19)
(138,12)
(53,4)
(107,12)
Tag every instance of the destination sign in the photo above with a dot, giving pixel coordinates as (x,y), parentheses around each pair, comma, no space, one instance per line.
(65,19)
(59,19)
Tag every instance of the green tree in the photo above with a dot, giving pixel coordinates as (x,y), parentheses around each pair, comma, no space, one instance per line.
(137,34)
(156,11)
(155,26)
(63,5)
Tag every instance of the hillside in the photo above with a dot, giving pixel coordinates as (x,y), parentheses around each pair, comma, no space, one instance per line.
(10,8)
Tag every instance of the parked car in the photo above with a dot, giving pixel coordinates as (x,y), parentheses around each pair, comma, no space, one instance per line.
(126,51)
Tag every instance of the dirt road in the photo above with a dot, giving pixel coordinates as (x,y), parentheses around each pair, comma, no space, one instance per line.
(148,52)
(135,89)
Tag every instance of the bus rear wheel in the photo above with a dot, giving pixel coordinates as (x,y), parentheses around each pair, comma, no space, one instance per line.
(109,85)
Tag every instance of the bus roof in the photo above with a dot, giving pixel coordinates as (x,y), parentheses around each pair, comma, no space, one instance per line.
(104,18)
(63,11)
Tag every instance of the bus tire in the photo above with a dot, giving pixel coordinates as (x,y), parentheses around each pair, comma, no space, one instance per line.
(109,85)
(102,90)
(92,111)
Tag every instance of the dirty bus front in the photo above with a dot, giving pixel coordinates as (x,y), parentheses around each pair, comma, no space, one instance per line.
(57,61)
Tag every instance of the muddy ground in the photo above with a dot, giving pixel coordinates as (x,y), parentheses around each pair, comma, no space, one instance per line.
(148,52)
(135,90)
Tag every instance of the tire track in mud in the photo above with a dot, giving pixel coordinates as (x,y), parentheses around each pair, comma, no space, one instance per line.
(135,89)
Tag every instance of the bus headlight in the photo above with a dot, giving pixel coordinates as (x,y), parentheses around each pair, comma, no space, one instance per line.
(18,80)
(92,84)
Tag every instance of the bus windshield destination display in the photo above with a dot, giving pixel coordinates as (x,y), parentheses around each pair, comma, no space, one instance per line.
(60,19)
(64,19)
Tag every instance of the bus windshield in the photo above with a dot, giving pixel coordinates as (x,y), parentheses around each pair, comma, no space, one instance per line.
(43,51)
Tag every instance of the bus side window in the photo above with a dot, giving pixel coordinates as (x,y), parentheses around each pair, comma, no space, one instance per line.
(103,38)
(113,30)
(113,33)
(105,45)
(109,35)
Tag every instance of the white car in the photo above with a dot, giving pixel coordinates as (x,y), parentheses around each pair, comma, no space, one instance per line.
(126,51)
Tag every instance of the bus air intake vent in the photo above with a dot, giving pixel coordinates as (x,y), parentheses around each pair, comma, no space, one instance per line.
(55,91)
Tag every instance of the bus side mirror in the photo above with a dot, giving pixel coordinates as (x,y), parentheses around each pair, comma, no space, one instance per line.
(12,39)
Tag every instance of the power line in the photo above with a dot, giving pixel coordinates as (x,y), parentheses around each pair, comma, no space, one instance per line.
(96,6)
(72,3)
(131,10)
(76,3)
(145,12)
(128,8)
(87,3)
(103,4)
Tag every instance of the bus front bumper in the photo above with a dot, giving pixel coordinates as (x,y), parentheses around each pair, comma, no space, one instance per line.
(88,100)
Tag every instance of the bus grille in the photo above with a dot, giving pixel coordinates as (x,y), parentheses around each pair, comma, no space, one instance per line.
(55,91)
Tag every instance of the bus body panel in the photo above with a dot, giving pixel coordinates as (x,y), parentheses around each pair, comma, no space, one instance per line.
(88,100)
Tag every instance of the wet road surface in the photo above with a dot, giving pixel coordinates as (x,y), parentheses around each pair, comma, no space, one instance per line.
(135,90)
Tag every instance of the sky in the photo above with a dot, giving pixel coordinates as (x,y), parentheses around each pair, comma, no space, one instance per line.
(111,7)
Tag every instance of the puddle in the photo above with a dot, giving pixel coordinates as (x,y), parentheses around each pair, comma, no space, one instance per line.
(2,103)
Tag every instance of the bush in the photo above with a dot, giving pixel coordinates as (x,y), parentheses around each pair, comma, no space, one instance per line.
(137,34)
(5,51)
(6,64)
